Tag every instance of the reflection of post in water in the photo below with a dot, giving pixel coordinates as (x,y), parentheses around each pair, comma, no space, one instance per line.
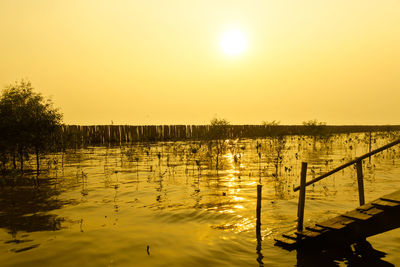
(258,226)
(358,254)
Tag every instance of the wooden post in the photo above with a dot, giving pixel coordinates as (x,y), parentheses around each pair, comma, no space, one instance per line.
(302,197)
(360,180)
(370,145)
(258,224)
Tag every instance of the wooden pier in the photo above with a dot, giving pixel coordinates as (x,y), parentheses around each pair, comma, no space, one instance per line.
(378,216)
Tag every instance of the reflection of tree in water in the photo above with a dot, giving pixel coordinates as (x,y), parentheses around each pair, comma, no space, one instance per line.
(358,254)
(25,208)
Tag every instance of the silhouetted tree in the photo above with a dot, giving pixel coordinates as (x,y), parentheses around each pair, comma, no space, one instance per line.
(218,134)
(28,122)
(315,128)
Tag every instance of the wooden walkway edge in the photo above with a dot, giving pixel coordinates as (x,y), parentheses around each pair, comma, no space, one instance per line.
(375,217)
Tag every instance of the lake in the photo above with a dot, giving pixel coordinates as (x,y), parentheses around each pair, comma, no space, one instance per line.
(165,204)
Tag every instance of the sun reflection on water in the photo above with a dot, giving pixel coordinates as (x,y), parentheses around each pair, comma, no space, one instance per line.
(236,198)
(245,224)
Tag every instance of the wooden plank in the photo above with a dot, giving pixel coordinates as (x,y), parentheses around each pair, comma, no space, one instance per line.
(374,211)
(331,226)
(390,200)
(394,197)
(336,223)
(285,243)
(284,240)
(365,207)
(307,234)
(357,215)
(290,236)
(316,229)
(384,204)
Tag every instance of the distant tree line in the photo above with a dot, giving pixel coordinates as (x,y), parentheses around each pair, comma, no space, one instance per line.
(28,125)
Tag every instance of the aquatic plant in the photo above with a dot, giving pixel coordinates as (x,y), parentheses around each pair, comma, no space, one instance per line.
(279,143)
(218,134)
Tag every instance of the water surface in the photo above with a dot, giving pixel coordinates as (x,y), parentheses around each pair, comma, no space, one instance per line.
(164,204)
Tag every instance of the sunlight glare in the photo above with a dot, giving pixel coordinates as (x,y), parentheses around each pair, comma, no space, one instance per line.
(233,42)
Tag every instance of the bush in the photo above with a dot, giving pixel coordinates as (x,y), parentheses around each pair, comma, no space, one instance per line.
(28,123)
(314,128)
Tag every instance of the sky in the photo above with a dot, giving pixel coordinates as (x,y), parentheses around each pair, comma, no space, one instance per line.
(161,62)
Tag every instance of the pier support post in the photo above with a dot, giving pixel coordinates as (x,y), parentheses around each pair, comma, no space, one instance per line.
(258,226)
(360,180)
(370,145)
(302,197)
(258,223)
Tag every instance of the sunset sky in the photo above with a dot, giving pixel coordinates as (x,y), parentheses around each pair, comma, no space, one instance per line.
(183,62)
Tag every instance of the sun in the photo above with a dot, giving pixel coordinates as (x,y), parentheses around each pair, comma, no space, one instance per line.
(233,42)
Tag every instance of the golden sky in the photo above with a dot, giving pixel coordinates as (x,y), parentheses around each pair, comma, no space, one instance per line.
(160,62)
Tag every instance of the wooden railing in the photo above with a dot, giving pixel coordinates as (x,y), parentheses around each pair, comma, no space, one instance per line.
(360,180)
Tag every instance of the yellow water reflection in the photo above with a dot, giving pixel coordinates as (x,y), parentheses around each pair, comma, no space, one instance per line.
(235,164)
(168,202)
(244,224)
(236,198)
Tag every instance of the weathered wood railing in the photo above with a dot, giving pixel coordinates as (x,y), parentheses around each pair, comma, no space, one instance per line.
(360,180)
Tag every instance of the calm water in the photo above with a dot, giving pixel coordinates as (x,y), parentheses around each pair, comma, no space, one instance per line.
(103,206)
